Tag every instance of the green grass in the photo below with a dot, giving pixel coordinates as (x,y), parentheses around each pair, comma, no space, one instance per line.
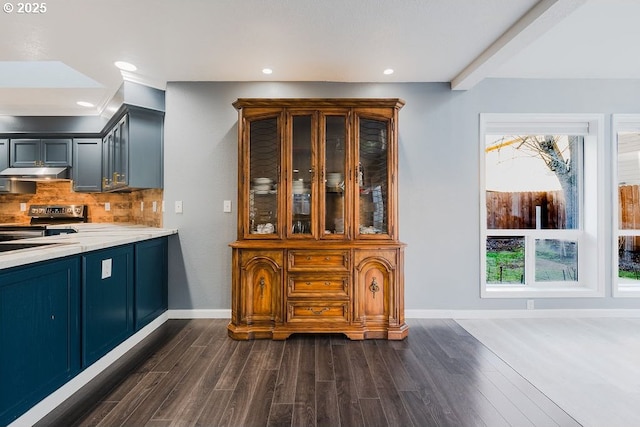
(512,263)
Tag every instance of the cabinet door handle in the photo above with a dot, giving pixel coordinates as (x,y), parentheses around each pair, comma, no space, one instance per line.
(373,287)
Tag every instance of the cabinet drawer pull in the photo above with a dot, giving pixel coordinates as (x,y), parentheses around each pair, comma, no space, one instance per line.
(318,312)
(308,258)
(307,283)
(327,258)
(327,283)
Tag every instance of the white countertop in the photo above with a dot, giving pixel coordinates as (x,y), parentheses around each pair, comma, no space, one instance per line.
(89,237)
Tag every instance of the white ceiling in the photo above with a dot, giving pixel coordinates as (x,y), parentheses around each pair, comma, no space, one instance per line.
(458,41)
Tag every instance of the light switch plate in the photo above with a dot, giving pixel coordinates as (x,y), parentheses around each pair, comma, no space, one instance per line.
(23,207)
(178,206)
(226,206)
(107,206)
(154,206)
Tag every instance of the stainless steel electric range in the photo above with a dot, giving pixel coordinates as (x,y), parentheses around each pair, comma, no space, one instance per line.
(43,220)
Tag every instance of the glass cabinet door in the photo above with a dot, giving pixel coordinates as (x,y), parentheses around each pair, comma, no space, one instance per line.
(264,167)
(302,175)
(334,183)
(372,178)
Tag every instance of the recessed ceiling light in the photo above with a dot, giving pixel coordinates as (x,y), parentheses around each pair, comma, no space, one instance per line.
(85,104)
(125,66)
(267,71)
(388,71)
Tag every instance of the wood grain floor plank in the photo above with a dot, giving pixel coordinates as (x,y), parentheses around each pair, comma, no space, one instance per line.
(121,412)
(214,408)
(390,400)
(231,374)
(274,352)
(287,375)
(373,414)
(324,359)
(419,412)
(181,393)
(238,407)
(280,415)
(327,410)
(262,398)
(200,392)
(304,410)
(365,385)
(147,408)
(346,389)
(97,414)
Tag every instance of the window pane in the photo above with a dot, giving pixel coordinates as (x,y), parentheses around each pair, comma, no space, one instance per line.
(505,260)
(302,174)
(372,177)
(556,260)
(263,174)
(335,155)
(533,181)
(629,258)
(629,180)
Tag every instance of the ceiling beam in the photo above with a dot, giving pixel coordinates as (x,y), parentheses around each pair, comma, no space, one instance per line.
(538,20)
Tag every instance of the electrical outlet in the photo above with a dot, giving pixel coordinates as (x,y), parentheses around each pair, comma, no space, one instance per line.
(226,206)
(23,207)
(107,206)
(154,206)
(178,206)
(141,206)
(530,304)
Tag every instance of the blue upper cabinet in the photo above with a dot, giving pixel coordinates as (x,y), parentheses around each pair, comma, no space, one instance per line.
(86,172)
(55,152)
(4,154)
(39,333)
(132,155)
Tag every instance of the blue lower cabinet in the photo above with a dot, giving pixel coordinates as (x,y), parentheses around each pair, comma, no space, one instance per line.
(150,280)
(108,301)
(39,332)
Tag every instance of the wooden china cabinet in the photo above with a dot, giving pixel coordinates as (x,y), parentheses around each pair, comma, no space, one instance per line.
(317,248)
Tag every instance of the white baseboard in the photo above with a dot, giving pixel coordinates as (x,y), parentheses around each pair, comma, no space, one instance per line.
(49,403)
(200,314)
(521,314)
(447,314)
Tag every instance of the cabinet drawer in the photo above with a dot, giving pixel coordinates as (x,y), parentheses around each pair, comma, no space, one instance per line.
(317,311)
(322,286)
(319,260)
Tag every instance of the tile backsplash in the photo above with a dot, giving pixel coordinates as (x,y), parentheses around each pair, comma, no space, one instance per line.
(124,207)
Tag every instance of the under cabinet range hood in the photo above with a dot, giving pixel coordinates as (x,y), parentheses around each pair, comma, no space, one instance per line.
(41,173)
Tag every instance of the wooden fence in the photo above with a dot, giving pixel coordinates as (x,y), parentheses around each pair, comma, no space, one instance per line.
(518,210)
(629,216)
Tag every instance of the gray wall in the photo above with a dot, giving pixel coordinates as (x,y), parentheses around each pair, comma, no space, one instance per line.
(439,194)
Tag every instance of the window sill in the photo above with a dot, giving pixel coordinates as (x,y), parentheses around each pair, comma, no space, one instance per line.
(519,291)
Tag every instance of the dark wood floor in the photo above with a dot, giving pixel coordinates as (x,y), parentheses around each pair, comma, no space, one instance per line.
(189,373)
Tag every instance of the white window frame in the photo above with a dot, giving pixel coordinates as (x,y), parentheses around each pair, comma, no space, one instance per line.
(591,248)
(620,123)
